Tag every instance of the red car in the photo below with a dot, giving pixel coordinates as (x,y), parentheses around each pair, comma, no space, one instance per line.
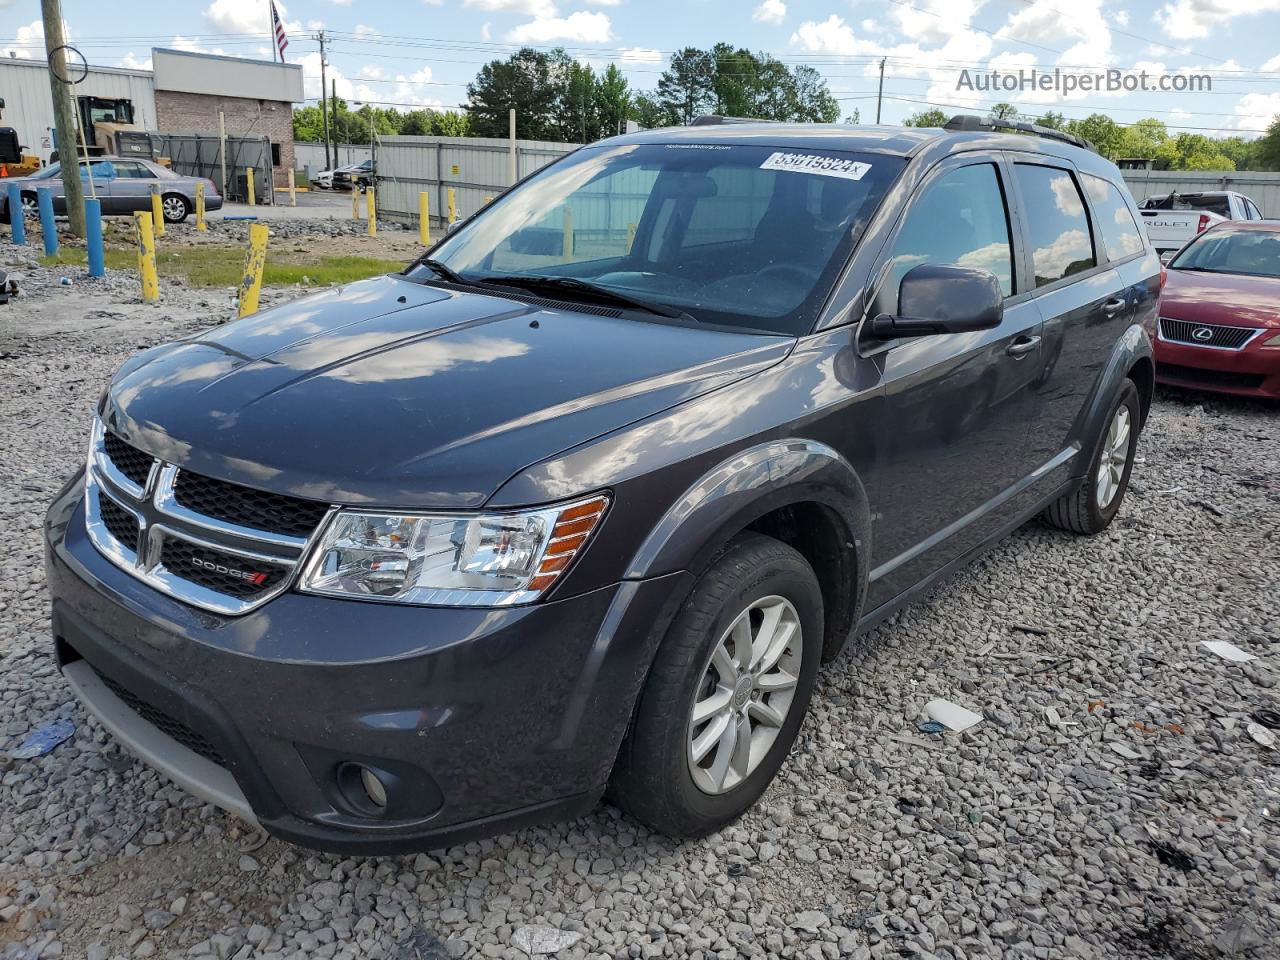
(1219,325)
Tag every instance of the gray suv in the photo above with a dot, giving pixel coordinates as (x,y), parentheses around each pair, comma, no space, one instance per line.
(579,502)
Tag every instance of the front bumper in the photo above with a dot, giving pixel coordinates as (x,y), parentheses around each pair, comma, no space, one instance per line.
(1251,372)
(481,720)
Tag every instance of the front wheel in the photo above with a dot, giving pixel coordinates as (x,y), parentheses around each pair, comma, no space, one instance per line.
(1091,508)
(727,692)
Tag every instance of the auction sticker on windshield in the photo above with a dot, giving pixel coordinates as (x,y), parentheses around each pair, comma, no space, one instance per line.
(824,166)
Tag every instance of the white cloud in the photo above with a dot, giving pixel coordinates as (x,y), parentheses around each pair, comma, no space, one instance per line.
(341,3)
(640,55)
(581,27)
(831,35)
(770,11)
(486,31)
(1185,19)
(412,89)
(433,3)
(935,21)
(534,8)
(247,16)
(604,3)
(1272,65)
(1121,18)
(1254,111)
(869,26)
(131,62)
(364,30)
(315,24)
(1084,27)
(194,46)
(28,42)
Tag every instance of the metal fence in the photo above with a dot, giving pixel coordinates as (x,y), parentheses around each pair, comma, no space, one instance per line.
(475,167)
(200,155)
(312,155)
(1262,188)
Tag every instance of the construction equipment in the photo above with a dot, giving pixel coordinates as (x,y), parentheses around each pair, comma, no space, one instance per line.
(13,161)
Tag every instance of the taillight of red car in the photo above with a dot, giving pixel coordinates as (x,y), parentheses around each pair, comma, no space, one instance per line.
(1203,224)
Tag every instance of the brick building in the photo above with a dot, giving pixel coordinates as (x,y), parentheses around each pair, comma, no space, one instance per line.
(254,97)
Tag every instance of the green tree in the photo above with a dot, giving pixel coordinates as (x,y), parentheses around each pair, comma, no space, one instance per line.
(613,98)
(927,118)
(854,118)
(646,110)
(808,99)
(1004,111)
(531,81)
(308,124)
(1052,120)
(451,123)
(1100,130)
(686,88)
(1267,147)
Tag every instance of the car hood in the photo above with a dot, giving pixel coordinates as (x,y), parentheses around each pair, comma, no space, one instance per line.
(1225,298)
(394,393)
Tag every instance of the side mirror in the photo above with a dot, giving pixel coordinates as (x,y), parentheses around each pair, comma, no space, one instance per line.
(935,298)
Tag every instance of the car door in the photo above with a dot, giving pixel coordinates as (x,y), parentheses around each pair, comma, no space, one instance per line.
(1082,299)
(132,189)
(957,407)
(101,188)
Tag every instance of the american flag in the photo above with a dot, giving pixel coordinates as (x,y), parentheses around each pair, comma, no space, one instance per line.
(282,42)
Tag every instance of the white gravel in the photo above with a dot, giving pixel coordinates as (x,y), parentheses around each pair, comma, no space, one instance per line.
(1110,805)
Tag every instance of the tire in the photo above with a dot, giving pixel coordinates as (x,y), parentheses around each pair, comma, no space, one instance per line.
(1083,510)
(654,776)
(30,206)
(174,207)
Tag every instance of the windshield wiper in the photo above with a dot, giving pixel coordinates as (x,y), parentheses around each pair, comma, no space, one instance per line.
(447,272)
(574,285)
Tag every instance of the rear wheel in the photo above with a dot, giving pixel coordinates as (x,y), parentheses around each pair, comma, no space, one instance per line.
(1091,508)
(174,207)
(30,206)
(727,692)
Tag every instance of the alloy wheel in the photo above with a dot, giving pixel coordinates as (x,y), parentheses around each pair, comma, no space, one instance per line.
(30,208)
(746,692)
(1115,457)
(174,209)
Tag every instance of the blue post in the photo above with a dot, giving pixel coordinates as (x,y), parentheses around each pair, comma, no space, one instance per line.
(47,226)
(15,215)
(93,236)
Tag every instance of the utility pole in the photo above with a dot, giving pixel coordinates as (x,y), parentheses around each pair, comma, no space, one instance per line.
(63,113)
(880,92)
(324,107)
(333,125)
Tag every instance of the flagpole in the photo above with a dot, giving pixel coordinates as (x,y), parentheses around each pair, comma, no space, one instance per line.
(271,37)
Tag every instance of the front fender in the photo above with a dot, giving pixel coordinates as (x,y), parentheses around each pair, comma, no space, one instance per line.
(1132,347)
(747,486)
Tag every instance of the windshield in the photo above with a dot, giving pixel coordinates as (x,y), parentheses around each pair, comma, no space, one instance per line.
(1255,253)
(736,235)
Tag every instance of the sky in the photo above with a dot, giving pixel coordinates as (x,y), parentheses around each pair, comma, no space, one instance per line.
(409,53)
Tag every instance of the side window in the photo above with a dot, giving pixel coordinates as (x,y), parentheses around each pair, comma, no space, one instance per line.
(1253,213)
(959,220)
(1120,234)
(1060,241)
(131,169)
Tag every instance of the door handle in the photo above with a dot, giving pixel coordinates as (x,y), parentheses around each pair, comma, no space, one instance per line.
(1022,346)
(1114,306)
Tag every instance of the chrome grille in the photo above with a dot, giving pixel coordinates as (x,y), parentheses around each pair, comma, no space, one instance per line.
(1205,334)
(213,544)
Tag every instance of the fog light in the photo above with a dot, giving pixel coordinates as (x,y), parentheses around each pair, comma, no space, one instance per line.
(373,787)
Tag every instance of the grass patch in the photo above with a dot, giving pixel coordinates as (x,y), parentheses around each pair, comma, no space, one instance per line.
(211,266)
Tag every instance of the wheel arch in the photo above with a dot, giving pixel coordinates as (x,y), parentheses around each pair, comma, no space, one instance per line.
(1131,358)
(798,491)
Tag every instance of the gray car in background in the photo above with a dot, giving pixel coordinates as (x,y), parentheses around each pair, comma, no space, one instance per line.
(122,184)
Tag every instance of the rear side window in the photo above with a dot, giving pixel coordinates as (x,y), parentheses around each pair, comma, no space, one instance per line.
(960,220)
(1060,241)
(1120,234)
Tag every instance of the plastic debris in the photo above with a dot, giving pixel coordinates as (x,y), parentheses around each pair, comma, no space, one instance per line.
(1228,651)
(43,740)
(66,281)
(1262,736)
(537,939)
(1268,718)
(951,715)
(930,726)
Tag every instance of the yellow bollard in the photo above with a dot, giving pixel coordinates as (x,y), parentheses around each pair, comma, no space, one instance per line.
(146,256)
(371,211)
(251,283)
(631,236)
(355,201)
(157,210)
(293,189)
(200,224)
(453,208)
(568,234)
(248,171)
(424,218)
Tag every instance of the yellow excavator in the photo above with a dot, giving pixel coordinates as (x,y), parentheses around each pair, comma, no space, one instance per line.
(13,162)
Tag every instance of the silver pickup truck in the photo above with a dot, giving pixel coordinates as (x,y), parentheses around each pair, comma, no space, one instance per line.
(1172,219)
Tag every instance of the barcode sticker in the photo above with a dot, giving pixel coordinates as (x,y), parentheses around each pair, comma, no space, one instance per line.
(816,163)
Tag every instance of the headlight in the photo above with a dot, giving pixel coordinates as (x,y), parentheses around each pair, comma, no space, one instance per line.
(441,560)
(1273,341)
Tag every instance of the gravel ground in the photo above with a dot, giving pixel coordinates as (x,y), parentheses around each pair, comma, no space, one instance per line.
(1112,802)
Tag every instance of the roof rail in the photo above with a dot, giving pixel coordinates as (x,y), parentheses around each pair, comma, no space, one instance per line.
(712,119)
(972,122)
